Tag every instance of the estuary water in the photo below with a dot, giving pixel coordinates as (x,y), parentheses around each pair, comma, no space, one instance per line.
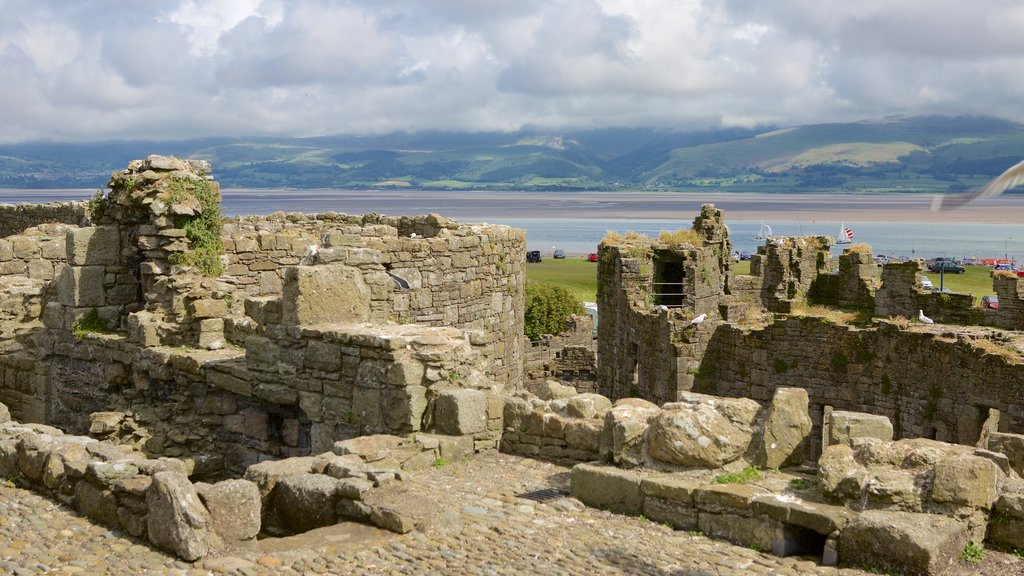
(576,221)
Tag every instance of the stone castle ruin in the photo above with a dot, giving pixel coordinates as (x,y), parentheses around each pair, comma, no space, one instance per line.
(197,381)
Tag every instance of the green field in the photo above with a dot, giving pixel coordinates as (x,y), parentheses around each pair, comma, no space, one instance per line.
(580,277)
(576,274)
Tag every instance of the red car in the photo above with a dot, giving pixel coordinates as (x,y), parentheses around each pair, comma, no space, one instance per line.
(990,302)
(592,257)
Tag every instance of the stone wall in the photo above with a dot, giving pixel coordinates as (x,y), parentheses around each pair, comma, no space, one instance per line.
(38,252)
(570,356)
(930,383)
(16,218)
(291,391)
(787,267)
(648,291)
(466,276)
(858,280)
(154,499)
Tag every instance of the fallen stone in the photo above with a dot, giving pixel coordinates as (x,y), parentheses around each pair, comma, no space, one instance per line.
(459,412)
(703,431)
(587,406)
(845,426)
(624,428)
(306,501)
(606,487)
(234,507)
(902,541)
(786,429)
(176,520)
(552,390)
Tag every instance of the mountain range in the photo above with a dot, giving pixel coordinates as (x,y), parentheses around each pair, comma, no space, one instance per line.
(902,154)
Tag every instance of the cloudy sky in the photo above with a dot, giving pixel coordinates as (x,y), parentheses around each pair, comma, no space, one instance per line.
(105,69)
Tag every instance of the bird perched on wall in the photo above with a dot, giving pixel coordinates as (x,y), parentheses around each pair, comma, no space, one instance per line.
(923,318)
(1012,178)
(698,319)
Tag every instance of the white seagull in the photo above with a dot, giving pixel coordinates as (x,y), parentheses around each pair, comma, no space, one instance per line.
(923,318)
(663,308)
(1013,177)
(698,319)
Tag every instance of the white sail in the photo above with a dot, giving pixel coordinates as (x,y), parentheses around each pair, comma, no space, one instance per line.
(845,234)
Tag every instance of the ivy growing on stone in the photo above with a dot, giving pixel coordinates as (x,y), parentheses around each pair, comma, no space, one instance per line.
(202,229)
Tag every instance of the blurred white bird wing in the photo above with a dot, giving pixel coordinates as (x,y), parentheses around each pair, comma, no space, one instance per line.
(1011,178)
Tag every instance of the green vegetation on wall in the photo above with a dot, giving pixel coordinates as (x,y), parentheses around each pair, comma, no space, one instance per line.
(202,229)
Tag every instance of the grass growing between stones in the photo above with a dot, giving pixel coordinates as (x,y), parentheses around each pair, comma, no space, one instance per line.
(748,474)
(440,463)
(90,323)
(973,553)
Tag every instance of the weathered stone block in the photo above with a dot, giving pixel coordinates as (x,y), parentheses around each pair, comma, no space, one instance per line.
(786,429)
(208,308)
(93,246)
(587,406)
(462,411)
(606,487)
(624,428)
(703,431)
(81,286)
(902,541)
(1012,445)
(97,503)
(306,501)
(966,481)
(234,507)
(330,294)
(756,533)
(845,426)
(177,520)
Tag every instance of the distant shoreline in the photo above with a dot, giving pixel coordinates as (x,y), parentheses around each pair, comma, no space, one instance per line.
(907,207)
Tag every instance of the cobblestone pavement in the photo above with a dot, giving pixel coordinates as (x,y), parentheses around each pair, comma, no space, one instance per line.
(478,526)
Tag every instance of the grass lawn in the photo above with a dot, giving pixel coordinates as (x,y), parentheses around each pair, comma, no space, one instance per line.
(977,280)
(580,277)
(576,274)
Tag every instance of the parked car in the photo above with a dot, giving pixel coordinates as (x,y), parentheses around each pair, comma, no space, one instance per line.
(735,256)
(592,257)
(882,259)
(947,266)
(533,256)
(990,302)
(744,255)
(559,254)
(1009,268)
(926,283)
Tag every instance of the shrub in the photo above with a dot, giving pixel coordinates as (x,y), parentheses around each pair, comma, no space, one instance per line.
(547,308)
(859,248)
(97,206)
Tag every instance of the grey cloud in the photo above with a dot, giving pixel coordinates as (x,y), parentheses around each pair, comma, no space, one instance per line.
(119,68)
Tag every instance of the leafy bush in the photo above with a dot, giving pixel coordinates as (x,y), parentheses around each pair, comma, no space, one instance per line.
(547,308)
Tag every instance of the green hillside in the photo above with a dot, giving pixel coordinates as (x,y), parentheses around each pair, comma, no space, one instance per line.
(919,154)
